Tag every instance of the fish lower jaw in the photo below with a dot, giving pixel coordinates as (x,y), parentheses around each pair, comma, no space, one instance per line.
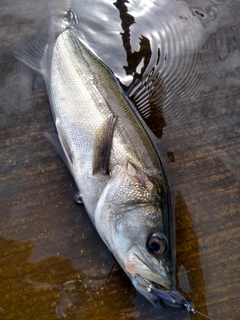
(152,281)
(149,277)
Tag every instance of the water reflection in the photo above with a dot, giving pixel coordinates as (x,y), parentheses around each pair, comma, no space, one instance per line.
(149,93)
(53,289)
(20,298)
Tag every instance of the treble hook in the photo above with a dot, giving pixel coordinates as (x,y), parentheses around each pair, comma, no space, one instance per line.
(171,296)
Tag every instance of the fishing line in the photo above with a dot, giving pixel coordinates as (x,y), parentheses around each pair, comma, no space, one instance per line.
(202,314)
(171,296)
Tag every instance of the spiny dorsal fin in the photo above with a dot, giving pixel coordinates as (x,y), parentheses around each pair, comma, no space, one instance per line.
(148,97)
(103,146)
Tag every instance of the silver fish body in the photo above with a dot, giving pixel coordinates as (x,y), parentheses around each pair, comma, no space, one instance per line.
(84,95)
(112,159)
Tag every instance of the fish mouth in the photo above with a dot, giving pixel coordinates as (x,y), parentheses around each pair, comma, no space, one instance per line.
(157,274)
(154,281)
(148,285)
(157,293)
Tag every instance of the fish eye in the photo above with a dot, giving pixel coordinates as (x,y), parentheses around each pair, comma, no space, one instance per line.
(157,244)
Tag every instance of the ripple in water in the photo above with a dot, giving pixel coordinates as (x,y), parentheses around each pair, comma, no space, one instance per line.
(163,48)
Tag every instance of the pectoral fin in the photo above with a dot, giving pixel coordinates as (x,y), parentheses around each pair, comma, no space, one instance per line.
(103,146)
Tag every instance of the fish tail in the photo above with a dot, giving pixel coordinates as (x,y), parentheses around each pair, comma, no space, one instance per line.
(35,53)
(71,19)
(62,20)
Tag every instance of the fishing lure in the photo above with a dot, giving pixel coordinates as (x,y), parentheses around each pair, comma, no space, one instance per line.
(173,298)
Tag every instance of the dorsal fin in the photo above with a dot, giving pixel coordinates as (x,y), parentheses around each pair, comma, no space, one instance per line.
(148,97)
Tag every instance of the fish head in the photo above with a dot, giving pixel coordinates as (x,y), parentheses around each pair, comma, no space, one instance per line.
(129,219)
(142,249)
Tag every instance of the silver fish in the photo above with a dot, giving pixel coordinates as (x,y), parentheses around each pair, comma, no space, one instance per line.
(111,157)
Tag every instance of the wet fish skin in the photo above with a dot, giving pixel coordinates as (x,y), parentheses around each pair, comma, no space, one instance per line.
(110,156)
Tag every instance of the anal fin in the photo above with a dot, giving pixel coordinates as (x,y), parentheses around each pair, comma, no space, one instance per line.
(103,146)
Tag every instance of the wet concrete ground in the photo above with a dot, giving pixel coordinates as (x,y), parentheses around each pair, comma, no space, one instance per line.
(53,265)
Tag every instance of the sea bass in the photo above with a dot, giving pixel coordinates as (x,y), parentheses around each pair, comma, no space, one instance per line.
(110,154)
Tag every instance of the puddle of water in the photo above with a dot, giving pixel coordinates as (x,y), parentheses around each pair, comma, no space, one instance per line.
(53,264)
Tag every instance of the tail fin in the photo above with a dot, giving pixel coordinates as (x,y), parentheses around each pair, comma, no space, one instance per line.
(34,53)
(71,18)
(61,21)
